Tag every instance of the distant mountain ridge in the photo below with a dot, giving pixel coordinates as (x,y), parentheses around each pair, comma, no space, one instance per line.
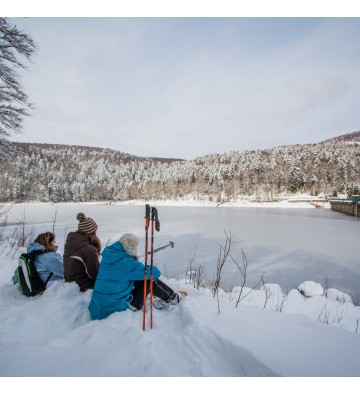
(98,150)
(348,137)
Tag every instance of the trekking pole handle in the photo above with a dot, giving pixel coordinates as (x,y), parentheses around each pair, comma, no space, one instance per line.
(147,211)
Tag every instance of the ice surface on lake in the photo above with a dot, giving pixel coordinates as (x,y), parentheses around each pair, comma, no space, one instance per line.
(288,246)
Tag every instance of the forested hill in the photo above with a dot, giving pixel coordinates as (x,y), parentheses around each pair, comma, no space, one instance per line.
(355,136)
(42,172)
(100,152)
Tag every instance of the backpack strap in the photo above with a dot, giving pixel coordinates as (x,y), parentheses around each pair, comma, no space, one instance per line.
(33,254)
(47,280)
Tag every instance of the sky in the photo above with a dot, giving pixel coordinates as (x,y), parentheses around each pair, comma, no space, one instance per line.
(185,87)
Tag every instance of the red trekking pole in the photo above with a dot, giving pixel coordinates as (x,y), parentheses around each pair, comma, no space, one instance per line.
(154,223)
(147,220)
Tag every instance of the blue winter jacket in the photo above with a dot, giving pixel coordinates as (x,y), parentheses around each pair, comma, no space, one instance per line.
(115,281)
(47,263)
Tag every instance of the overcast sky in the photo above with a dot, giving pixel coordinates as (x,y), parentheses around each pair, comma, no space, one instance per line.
(187,87)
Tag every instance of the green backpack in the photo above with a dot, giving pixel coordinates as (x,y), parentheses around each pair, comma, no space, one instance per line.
(29,279)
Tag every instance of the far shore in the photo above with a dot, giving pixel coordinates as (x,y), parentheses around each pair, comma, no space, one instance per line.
(288,202)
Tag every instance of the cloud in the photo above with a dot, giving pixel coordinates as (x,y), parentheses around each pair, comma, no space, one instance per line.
(185,87)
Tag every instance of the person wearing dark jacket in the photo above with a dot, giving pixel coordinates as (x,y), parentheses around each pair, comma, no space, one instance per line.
(81,254)
(120,282)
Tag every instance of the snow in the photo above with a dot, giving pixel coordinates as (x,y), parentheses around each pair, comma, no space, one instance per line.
(268,333)
(284,201)
(310,288)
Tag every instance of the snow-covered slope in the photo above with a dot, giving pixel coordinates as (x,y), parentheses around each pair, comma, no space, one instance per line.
(52,335)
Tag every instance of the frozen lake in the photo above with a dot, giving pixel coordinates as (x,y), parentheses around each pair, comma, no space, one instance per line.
(288,245)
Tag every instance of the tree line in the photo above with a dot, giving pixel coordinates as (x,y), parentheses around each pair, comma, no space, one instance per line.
(60,173)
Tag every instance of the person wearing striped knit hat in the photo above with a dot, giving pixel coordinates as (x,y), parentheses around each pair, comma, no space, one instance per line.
(82,254)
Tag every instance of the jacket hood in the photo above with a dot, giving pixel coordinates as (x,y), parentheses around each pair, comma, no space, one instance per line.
(116,247)
(74,242)
(114,253)
(35,247)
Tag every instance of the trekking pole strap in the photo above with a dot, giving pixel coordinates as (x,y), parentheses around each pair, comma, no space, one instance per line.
(155,217)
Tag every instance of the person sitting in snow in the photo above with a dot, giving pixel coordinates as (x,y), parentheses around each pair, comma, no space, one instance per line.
(47,260)
(82,254)
(120,281)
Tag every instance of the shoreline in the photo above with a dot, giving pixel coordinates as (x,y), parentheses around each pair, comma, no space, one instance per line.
(293,203)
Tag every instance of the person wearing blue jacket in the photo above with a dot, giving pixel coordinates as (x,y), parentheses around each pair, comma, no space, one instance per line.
(120,281)
(47,260)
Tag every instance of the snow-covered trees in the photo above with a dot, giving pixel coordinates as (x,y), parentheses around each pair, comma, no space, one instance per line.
(14,101)
(68,173)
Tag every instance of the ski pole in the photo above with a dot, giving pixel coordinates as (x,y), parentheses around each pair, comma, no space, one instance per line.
(171,244)
(147,218)
(154,222)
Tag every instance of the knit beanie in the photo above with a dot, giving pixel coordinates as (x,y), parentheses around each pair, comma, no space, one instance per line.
(87,225)
(130,243)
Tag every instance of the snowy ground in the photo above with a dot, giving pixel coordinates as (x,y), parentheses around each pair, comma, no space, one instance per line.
(301,334)
(54,335)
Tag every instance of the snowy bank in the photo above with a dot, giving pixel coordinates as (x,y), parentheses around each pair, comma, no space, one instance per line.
(279,201)
(52,335)
(282,201)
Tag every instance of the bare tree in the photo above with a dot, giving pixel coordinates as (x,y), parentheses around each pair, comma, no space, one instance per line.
(268,294)
(223,255)
(3,223)
(340,314)
(14,102)
(195,273)
(190,271)
(281,304)
(54,219)
(326,317)
(243,271)
(21,236)
(326,284)
(4,209)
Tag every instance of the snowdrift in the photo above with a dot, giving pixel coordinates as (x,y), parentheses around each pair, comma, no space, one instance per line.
(267,334)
